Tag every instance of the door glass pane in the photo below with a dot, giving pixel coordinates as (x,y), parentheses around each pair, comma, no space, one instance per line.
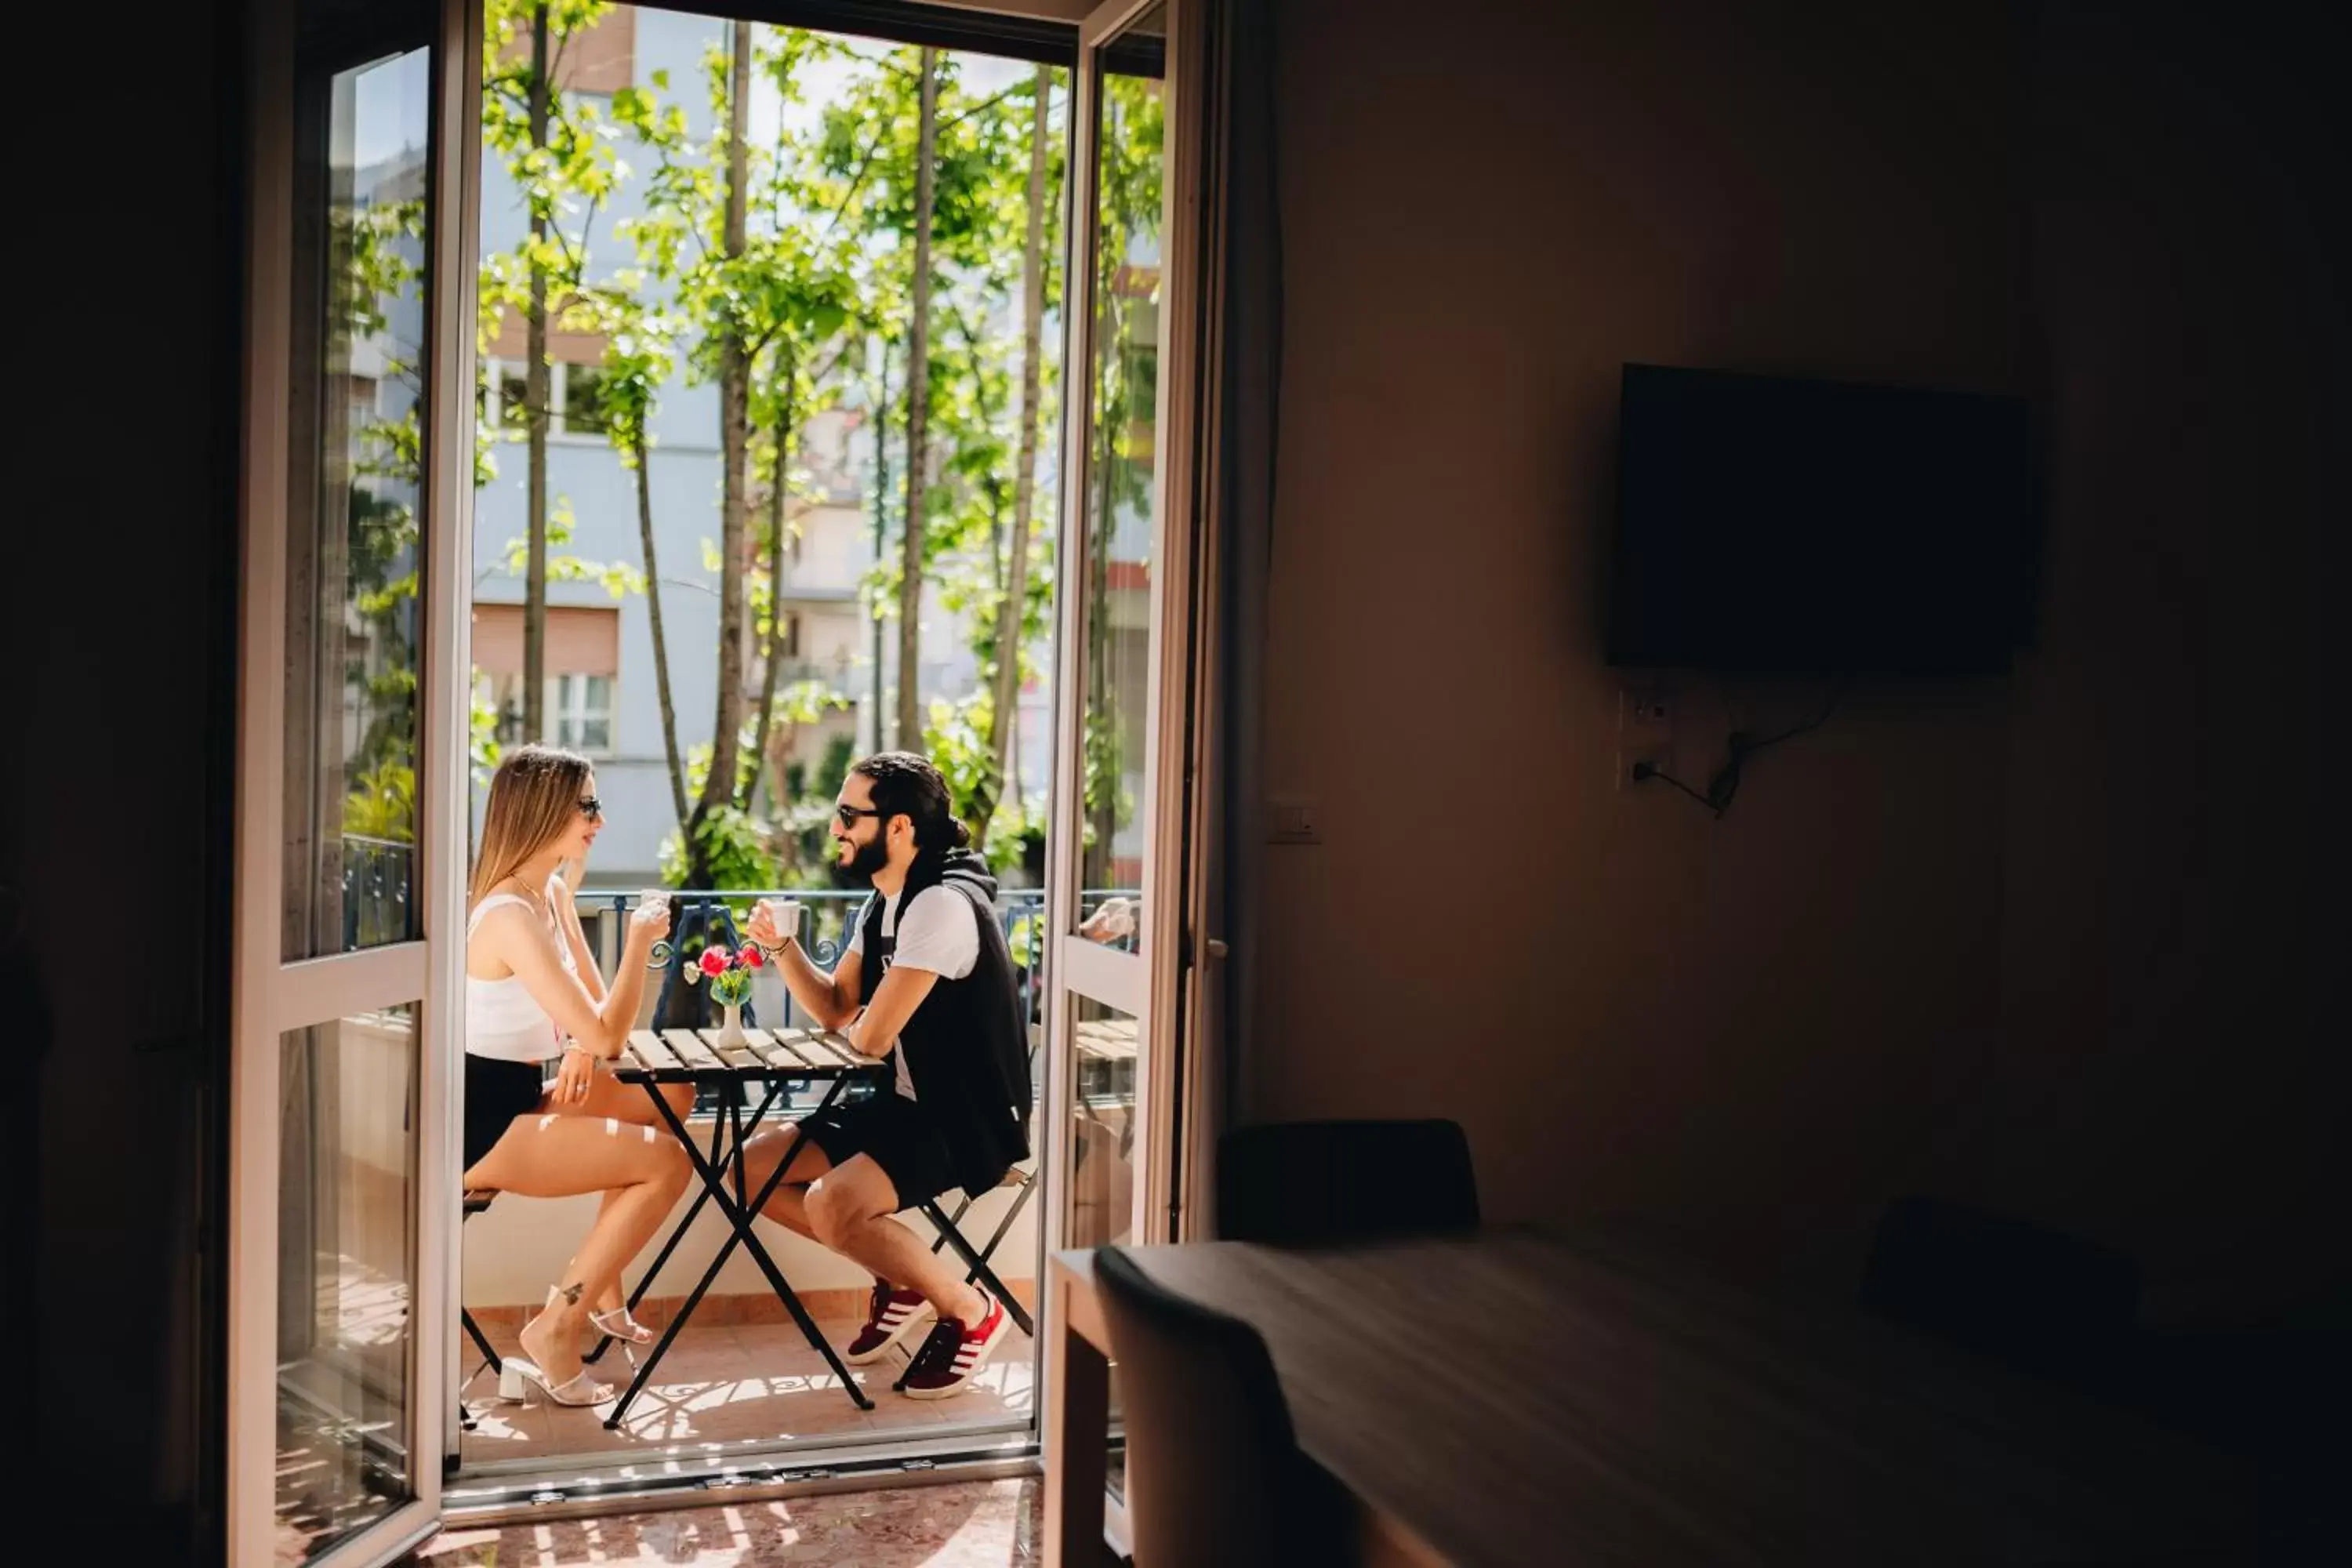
(346,1273)
(352,606)
(1103,1153)
(1122,465)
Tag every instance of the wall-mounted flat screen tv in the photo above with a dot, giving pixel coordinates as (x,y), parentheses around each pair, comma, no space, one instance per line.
(1770,525)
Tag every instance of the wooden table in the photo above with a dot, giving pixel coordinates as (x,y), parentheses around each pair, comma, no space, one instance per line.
(1592,1397)
(749,1078)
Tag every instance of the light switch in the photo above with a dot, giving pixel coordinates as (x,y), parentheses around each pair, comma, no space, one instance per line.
(1295,820)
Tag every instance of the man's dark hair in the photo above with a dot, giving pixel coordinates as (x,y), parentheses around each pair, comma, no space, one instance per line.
(907,785)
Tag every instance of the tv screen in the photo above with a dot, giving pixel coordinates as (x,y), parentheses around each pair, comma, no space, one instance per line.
(1776,526)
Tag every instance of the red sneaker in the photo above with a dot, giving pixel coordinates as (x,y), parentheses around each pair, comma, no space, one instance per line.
(954,1354)
(894,1315)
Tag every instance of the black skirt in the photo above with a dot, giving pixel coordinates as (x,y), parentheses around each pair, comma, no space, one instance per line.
(497,1091)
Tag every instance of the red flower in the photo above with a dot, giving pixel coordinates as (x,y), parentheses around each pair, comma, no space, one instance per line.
(753,958)
(714,960)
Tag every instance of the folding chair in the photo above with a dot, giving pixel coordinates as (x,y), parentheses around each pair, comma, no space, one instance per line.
(477,1201)
(977,1260)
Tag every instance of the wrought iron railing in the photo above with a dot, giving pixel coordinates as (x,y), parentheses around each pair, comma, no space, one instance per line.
(378,886)
(699,918)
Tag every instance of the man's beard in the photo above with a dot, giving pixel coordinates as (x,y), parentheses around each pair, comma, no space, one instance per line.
(865,861)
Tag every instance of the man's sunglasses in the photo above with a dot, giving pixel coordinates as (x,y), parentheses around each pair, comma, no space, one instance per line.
(850,814)
(592,809)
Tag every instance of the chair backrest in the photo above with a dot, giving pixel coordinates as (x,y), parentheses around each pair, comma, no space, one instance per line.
(1213,1470)
(2040,1298)
(1302,1182)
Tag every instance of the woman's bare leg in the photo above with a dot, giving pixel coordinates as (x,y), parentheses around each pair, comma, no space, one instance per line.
(547,1156)
(609,1096)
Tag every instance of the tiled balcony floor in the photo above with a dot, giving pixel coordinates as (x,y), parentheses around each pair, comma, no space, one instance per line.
(969,1524)
(735,1384)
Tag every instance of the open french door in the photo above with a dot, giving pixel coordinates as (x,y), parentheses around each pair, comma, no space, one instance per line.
(1115,959)
(350,791)
(1123,944)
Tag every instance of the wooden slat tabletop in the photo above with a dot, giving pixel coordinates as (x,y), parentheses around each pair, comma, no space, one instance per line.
(771,1051)
(791,1052)
(691,1050)
(651,1054)
(832,1049)
(1593,1397)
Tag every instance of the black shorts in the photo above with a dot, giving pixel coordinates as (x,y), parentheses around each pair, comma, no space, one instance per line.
(497,1091)
(891,1131)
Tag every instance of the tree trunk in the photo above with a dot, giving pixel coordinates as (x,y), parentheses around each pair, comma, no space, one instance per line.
(778,520)
(734,441)
(536,396)
(881,531)
(919,396)
(661,644)
(1010,611)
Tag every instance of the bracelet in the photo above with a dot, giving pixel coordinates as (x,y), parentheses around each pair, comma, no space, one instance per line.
(572,1046)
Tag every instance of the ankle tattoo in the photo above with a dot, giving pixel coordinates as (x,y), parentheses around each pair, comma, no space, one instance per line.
(571,1294)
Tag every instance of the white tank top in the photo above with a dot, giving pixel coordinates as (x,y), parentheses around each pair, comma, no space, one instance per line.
(502,1018)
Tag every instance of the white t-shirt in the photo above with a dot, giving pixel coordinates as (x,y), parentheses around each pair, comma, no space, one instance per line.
(940,937)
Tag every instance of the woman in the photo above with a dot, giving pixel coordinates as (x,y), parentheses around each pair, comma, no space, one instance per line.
(532,994)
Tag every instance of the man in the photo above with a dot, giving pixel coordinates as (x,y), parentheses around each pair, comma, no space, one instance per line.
(926,977)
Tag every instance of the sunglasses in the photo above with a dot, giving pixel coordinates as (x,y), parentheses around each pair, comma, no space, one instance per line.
(592,809)
(850,814)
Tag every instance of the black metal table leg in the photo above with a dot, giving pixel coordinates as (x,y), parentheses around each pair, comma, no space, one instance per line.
(750,1241)
(712,1184)
(739,1217)
(677,1235)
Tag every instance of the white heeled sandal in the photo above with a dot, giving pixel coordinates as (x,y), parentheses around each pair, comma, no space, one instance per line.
(617,1325)
(518,1377)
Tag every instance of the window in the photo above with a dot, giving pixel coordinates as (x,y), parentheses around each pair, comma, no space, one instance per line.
(582,657)
(580,708)
(575,395)
(580,405)
(513,399)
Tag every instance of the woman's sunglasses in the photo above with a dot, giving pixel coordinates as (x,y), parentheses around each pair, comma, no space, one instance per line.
(592,809)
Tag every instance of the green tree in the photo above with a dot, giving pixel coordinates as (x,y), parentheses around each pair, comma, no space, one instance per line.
(558,153)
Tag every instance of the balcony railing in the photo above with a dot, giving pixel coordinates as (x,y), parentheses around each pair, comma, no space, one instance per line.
(698,918)
(378,881)
(378,894)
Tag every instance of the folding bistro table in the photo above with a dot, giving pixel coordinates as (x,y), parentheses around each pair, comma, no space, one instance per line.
(749,1080)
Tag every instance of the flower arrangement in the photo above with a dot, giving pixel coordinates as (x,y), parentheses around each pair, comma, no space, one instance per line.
(729,973)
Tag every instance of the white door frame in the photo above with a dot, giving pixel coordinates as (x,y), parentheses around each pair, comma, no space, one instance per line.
(1145,986)
(269,996)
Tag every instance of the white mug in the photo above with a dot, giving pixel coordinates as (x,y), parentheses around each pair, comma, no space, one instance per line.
(786,913)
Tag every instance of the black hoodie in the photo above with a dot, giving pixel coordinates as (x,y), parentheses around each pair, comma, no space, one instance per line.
(967,1046)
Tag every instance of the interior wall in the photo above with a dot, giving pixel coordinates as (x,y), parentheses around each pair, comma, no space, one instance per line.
(2053,942)
(1760,1025)
(2170,1074)
(118,619)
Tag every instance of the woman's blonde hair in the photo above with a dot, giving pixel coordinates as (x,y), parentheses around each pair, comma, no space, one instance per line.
(534,797)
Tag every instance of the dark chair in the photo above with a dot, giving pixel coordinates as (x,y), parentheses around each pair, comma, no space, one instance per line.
(2058,1305)
(1300,1183)
(1213,1470)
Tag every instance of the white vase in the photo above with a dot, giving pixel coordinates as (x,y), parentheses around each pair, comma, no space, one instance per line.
(730,1027)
